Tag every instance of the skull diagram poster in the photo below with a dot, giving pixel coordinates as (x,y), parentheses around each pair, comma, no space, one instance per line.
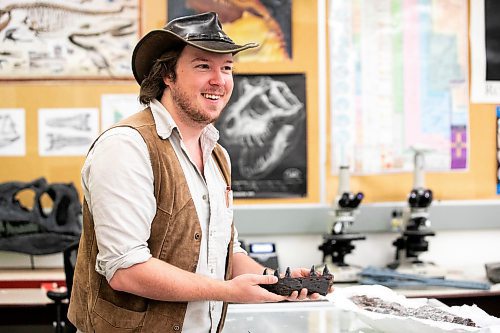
(66,131)
(67,39)
(263,129)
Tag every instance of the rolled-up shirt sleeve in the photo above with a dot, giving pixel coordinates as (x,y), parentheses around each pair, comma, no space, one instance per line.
(237,244)
(118,185)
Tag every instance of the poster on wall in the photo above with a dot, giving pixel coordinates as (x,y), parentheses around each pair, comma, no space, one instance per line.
(485,51)
(66,131)
(59,39)
(398,82)
(115,107)
(12,132)
(266,22)
(263,128)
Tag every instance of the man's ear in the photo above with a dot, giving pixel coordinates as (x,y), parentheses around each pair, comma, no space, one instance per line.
(167,80)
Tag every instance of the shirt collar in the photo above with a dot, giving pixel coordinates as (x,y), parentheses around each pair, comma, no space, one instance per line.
(165,124)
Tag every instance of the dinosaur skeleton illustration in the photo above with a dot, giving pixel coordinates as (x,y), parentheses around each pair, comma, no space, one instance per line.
(8,132)
(96,33)
(58,141)
(79,122)
(262,122)
(48,17)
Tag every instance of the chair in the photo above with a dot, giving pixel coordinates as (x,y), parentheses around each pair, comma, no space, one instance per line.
(69,257)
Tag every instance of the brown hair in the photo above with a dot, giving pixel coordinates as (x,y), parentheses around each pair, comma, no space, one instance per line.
(153,86)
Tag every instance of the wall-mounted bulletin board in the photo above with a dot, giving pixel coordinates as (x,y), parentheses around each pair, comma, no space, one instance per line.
(399,74)
(58,61)
(79,82)
(65,76)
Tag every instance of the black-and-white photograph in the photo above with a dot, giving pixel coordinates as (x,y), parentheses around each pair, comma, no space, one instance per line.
(492,35)
(264,130)
(67,38)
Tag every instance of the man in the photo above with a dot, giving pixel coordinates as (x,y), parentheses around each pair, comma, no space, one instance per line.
(159,251)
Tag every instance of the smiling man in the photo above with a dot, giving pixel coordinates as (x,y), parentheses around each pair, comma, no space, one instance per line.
(159,251)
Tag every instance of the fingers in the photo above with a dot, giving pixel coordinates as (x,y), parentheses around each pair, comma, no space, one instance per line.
(296,296)
(266,279)
(303,294)
(314,297)
(293,296)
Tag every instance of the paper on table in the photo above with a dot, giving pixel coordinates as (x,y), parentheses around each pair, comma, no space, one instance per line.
(396,324)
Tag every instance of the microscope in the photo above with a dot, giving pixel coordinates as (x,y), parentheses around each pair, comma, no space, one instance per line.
(416,226)
(337,244)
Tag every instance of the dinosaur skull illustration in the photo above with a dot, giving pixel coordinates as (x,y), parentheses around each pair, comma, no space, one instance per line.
(262,122)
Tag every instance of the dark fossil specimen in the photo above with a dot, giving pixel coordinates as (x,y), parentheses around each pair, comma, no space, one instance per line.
(314,283)
(38,230)
(378,305)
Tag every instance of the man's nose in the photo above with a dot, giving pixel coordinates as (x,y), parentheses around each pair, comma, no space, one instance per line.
(217,78)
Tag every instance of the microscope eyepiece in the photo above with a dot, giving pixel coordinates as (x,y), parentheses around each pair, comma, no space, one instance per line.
(420,198)
(350,200)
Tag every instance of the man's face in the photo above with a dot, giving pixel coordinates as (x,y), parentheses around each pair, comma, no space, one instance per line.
(203,85)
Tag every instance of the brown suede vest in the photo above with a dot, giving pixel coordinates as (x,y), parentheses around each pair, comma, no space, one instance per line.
(175,238)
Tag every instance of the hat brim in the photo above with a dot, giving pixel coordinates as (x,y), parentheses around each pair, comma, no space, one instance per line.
(157,42)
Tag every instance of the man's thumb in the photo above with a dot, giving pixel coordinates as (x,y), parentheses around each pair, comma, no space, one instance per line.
(268,279)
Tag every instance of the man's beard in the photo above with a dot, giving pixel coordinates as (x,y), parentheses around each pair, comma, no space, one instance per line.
(188,110)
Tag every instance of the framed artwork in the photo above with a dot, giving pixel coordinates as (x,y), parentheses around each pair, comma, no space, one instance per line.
(67,39)
(266,22)
(263,129)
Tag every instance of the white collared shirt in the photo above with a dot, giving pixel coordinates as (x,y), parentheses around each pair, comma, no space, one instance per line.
(117,180)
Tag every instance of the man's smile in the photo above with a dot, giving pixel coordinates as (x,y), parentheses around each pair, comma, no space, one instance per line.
(211,96)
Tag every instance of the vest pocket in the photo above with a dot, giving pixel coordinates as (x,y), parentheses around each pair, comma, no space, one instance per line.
(108,317)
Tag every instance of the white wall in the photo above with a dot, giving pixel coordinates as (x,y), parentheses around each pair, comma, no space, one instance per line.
(465,250)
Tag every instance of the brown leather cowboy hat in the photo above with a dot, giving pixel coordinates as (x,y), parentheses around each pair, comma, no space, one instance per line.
(203,31)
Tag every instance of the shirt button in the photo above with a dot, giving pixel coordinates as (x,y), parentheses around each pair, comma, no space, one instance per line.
(197,236)
(204,197)
(176,327)
(212,271)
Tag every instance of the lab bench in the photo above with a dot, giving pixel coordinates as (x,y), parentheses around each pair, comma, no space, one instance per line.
(23,301)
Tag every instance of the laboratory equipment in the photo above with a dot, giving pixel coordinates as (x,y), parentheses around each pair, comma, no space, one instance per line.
(416,226)
(264,253)
(337,244)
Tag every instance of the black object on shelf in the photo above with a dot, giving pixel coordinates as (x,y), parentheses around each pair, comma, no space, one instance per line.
(493,272)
